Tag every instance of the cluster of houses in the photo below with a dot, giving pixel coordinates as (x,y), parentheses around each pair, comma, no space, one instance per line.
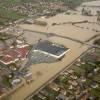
(68,90)
(13,52)
(33,7)
(73,84)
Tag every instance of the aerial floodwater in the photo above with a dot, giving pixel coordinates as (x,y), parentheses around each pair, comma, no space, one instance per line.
(53,45)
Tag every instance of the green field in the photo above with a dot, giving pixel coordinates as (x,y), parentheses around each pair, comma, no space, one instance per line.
(6,15)
(9,16)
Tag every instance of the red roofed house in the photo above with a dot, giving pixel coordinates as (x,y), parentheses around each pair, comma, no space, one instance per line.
(23,52)
(13,55)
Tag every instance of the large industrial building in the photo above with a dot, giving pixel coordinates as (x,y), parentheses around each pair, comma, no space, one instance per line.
(51,49)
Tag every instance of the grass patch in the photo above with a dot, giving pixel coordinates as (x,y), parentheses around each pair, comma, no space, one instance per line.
(62,80)
(78,70)
(9,16)
(52,95)
(6,81)
(87,67)
(95,92)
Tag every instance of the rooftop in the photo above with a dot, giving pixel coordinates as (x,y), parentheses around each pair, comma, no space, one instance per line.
(51,48)
(13,55)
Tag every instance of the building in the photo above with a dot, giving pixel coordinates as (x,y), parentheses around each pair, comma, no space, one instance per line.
(52,49)
(12,55)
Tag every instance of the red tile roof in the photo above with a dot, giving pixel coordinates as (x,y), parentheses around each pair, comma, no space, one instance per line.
(22,51)
(12,55)
(6,59)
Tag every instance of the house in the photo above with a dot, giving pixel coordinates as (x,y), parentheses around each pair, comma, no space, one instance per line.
(73,77)
(73,82)
(54,86)
(61,97)
(13,54)
(63,91)
(52,49)
(44,92)
(94,85)
(42,97)
(23,51)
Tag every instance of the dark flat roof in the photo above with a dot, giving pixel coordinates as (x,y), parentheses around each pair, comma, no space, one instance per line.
(51,48)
